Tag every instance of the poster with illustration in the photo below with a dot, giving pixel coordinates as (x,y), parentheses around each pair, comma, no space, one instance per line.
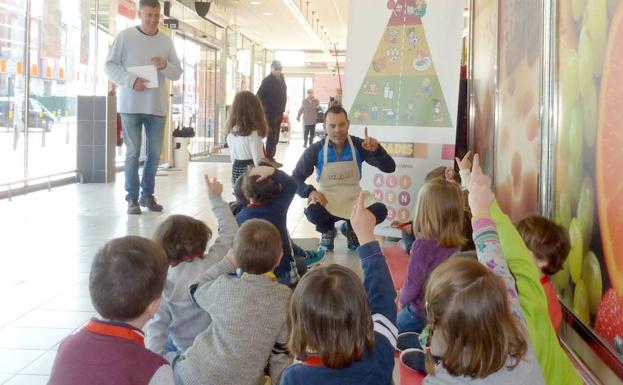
(588,189)
(402,79)
(484,46)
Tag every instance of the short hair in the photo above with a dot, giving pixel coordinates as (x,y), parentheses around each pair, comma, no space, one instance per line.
(246,115)
(259,191)
(126,276)
(330,316)
(336,109)
(181,236)
(149,3)
(470,306)
(548,241)
(257,246)
(439,213)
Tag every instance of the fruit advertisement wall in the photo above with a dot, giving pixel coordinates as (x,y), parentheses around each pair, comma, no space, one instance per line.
(588,182)
(518,132)
(484,43)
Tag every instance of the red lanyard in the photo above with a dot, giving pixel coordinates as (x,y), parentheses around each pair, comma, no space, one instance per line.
(97,327)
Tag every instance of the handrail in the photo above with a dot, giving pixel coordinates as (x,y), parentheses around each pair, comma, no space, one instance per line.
(78,175)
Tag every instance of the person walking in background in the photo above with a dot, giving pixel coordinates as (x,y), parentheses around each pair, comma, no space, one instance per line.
(309,109)
(273,94)
(140,102)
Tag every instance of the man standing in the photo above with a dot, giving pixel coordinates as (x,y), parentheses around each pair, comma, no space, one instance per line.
(338,160)
(309,109)
(140,103)
(272,93)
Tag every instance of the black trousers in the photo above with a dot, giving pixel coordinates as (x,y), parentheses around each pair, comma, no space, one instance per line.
(274,126)
(310,131)
(318,215)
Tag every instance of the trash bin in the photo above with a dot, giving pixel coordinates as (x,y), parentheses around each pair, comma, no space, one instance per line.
(181,155)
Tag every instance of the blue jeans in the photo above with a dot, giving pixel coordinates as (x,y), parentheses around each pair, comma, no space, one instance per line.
(154,132)
(409,321)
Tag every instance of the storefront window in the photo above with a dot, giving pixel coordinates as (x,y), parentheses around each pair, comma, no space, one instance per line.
(12,78)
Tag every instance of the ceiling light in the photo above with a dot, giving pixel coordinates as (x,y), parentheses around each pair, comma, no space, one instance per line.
(256,3)
(267,13)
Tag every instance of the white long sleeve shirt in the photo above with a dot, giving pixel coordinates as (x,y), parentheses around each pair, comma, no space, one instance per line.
(132,48)
(245,147)
(179,317)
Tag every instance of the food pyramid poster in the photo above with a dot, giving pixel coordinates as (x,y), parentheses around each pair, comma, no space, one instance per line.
(401,86)
(401,81)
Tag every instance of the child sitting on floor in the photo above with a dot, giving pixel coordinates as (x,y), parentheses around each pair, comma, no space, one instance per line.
(549,244)
(342,330)
(269,193)
(249,328)
(126,281)
(184,239)
(438,229)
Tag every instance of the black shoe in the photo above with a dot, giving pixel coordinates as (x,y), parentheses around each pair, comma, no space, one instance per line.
(149,202)
(133,207)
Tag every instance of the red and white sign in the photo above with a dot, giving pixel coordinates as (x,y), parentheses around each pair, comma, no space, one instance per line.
(127,8)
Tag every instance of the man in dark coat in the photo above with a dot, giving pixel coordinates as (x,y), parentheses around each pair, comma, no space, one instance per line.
(273,95)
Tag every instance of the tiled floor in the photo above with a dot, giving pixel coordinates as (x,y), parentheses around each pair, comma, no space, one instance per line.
(48,242)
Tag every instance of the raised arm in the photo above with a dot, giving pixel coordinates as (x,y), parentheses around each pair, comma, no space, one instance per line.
(377,280)
(373,152)
(288,189)
(227,225)
(486,238)
(199,290)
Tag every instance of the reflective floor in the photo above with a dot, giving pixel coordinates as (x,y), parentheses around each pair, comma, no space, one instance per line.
(48,240)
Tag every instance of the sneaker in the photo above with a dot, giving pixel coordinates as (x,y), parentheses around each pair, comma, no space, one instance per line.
(351,238)
(327,240)
(314,257)
(149,202)
(133,207)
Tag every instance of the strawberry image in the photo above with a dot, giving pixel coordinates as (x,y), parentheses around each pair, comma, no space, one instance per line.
(609,318)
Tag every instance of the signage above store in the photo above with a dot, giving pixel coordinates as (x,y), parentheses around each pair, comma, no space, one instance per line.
(172,23)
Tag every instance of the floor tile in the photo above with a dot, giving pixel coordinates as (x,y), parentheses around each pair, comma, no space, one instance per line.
(31,338)
(57,319)
(42,366)
(66,302)
(21,379)
(14,360)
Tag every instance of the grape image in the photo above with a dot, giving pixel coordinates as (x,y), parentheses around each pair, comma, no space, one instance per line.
(581,306)
(591,276)
(576,252)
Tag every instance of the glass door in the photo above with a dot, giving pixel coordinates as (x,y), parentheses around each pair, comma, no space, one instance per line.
(12,81)
(54,54)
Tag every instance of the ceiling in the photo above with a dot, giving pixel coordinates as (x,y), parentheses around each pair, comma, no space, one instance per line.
(276,26)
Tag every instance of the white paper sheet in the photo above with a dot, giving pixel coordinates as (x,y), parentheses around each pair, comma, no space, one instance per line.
(147,72)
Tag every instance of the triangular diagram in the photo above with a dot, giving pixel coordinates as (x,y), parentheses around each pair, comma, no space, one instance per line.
(401,87)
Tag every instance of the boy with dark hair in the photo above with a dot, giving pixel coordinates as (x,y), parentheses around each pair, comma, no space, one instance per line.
(269,193)
(126,282)
(249,328)
(184,239)
(549,244)
(338,160)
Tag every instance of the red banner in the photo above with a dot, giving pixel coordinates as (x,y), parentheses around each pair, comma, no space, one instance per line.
(127,8)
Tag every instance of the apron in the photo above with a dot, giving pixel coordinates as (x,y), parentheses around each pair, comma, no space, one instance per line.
(339,182)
